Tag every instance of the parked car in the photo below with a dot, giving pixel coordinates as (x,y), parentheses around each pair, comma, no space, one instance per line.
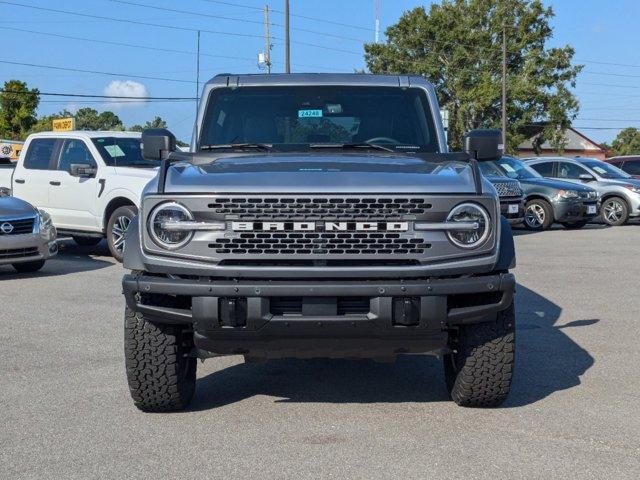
(629,164)
(90,182)
(509,190)
(619,192)
(550,201)
(27,236)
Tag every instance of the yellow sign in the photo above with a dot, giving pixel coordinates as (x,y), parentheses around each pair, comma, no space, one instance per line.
(64,124)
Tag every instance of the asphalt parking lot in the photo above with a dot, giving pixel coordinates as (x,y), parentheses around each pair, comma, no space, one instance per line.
(65,410)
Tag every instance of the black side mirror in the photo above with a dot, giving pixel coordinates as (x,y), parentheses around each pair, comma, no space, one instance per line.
(157,143)
(82,170)
(484,145)
(585,177)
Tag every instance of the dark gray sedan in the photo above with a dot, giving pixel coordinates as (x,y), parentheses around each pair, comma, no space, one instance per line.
(27,237)
(551,201)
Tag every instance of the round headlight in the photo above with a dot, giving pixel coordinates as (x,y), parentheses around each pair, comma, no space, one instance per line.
(477,225)
(169,212)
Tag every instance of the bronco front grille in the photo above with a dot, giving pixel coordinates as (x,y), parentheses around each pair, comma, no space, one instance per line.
(319,208)
(296,243)
(18,226)
(508,189)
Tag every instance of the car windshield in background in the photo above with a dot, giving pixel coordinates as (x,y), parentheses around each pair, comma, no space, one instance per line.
(490,169)
(122,152)
(303,118)
(517,169)
(605,170)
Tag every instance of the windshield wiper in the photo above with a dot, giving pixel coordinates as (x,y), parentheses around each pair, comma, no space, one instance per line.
(258,146)
(346,146)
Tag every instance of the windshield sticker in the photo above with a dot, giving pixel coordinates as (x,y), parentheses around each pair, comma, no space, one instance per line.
(600,170)
(114,150)
(309,113)
(508,168)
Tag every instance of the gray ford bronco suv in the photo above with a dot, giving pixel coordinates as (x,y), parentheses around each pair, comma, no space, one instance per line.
(319,215)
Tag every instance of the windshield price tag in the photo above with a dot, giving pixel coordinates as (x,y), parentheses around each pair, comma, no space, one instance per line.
(309,113)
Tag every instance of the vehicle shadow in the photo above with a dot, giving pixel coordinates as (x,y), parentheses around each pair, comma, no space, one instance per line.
(547,361)
(519,231)
(71,259)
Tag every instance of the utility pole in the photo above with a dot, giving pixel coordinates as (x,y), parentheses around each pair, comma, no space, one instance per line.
(504,85)
(287,49)
(267,40)
(197,82)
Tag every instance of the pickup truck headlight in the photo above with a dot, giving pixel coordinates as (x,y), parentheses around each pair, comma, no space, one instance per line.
(475,225)
(164,214)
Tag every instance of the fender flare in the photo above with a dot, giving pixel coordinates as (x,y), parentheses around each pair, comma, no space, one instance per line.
(507,253)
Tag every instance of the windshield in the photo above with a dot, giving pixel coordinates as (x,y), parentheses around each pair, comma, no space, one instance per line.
(300,118)
(489,169)
(122,152)
(605,170)
(516,169)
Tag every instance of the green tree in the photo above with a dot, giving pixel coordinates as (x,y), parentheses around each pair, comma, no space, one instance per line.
(157,122)
(627,142)
(89,119)
(457,45)
(18,105)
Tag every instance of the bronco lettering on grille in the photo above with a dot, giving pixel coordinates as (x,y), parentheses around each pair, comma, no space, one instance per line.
(320,226)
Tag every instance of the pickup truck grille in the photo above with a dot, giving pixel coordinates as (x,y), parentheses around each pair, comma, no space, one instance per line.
(508,189)
(17,226)
(343,243)
(319,208)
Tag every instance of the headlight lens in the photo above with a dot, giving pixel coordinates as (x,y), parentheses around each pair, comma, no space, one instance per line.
(565,194)
(469,237)
(45,220)
(169,212)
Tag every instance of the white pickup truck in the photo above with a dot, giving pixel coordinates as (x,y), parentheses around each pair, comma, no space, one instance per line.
(89,182)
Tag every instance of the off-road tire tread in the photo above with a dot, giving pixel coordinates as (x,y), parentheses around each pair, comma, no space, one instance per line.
(484,362)
(154,359)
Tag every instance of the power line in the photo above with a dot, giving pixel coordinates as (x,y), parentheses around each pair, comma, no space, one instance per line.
(96,72)
(135,22)
(81,95)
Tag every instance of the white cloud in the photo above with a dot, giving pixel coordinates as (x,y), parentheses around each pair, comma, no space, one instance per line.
(126,88)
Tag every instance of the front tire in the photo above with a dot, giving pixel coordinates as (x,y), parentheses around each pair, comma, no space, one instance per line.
(28,267)
(614,211)
(117,228)
(160,371)
(538,215)
(480,369)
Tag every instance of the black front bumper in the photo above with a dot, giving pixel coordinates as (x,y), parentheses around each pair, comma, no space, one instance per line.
(257,328)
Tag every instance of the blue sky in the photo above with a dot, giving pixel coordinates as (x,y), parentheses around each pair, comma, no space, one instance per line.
(603,34)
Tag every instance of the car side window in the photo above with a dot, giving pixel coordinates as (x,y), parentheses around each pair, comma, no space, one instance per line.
(544,168)
(39,154)
(632,167)
(74,151)
(570,170)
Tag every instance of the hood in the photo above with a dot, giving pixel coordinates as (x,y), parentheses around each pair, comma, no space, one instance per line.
(308,173)
(618,182)
(559,184)
(12,207)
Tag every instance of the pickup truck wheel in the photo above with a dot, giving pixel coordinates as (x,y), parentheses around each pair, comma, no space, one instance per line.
(117,228)
(479,371)
(615,211)
(538,215)
(87,241)
(160,372)
(28,267)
